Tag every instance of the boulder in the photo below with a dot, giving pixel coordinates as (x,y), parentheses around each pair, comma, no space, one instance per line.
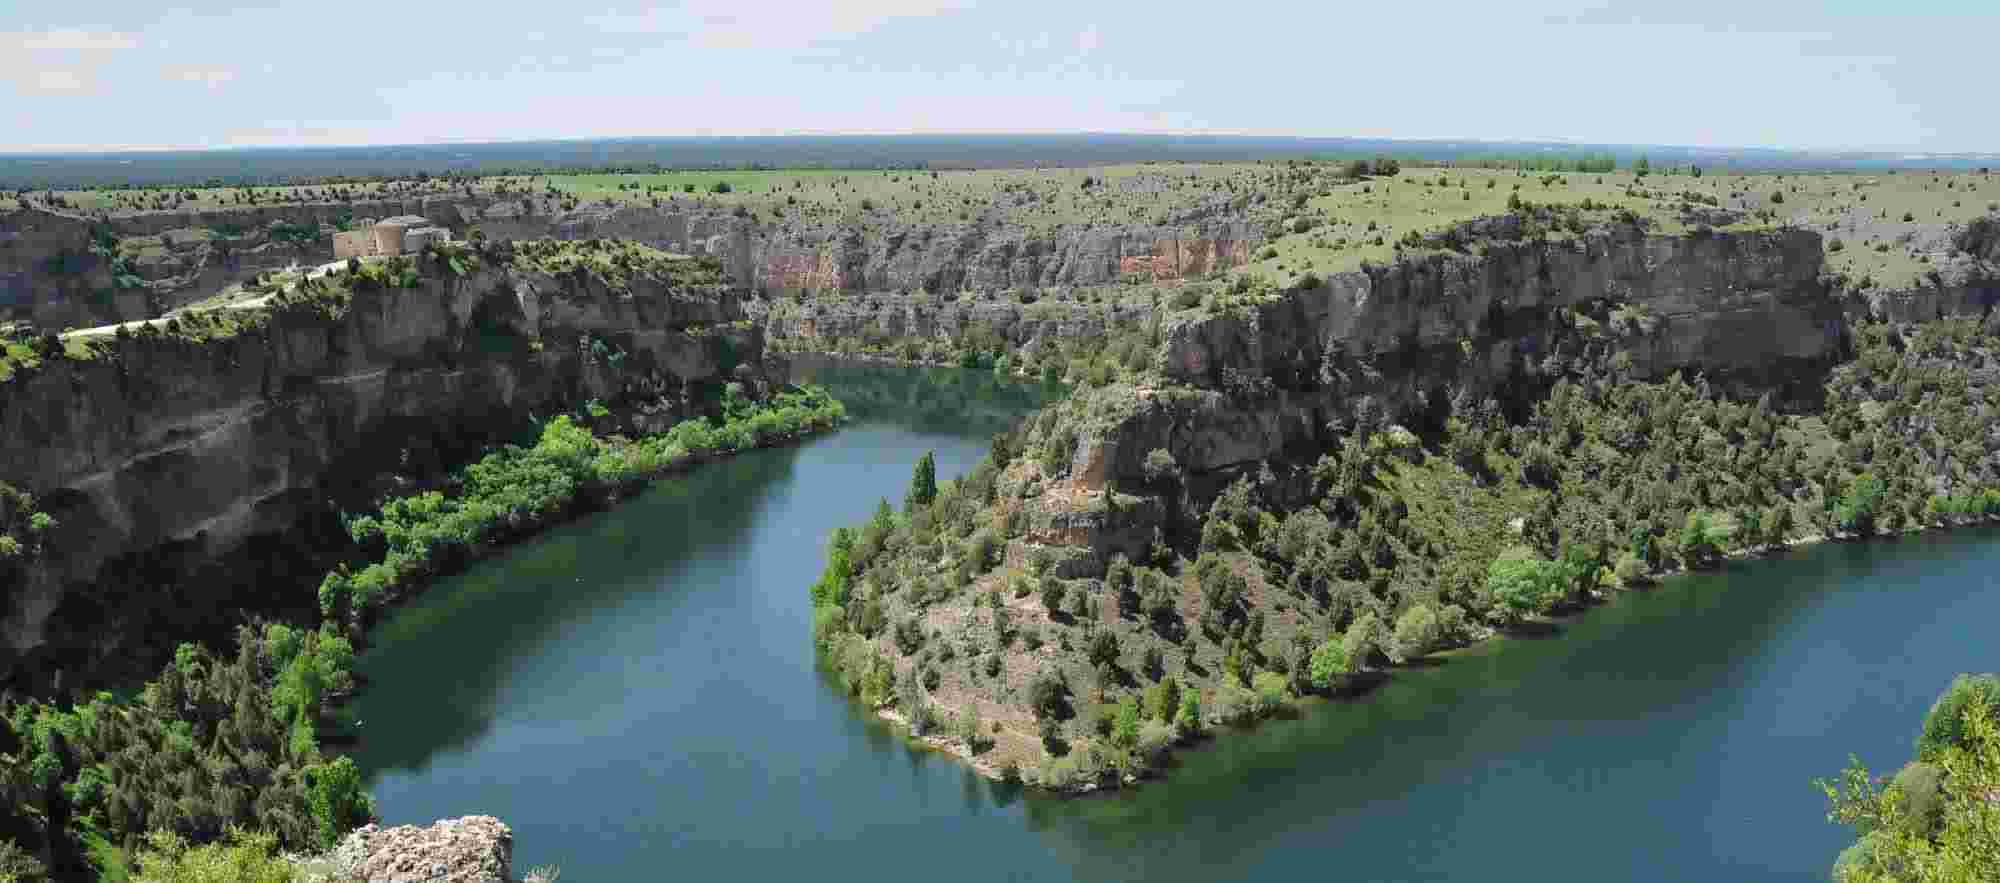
(472,849)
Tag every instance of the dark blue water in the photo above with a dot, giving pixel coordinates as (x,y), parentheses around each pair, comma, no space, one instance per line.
(635,694)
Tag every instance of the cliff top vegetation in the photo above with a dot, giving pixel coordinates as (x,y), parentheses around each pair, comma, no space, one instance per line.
(1052,611)
(615,265)
(1316,217)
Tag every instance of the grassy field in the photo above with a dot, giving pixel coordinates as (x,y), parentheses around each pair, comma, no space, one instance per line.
(1890,226)
(1030,199)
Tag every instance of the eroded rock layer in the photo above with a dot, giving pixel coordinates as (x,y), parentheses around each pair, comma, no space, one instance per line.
(167,456)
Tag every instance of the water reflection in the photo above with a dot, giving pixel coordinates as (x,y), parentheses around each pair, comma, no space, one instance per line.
(945,400)
(526,599)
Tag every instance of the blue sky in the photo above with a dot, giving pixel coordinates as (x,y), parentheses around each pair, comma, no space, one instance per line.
(1775,73)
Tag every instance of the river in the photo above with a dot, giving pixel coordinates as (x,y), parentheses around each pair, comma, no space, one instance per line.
(635,694)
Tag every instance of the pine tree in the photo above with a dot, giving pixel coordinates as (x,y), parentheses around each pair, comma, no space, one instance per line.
(923,483)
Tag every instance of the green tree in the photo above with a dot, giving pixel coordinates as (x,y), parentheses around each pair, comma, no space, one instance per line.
(1053,592)
(339,803)
(1416,633)
(1945,725)
(1188,718)
(1125,729)
(18,866)
(832,587)
(1856,509)
(1912,834)
(1164,699)
(923,481)
(1363,640)
(1522,583)
(239,857)
(1045,695)
(1698,540)
(1104,648)
(1330,665)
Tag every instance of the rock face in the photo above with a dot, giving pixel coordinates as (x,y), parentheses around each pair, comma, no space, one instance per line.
(839,324)
(164,454)
(1740,304)
(1271,383)
(57,267)
(472,849)
(1441,331)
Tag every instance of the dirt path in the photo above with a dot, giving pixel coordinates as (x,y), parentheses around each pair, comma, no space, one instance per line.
(245,304)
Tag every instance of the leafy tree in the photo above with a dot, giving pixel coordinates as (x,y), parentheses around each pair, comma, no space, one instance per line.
(1363,640)
(1104,648)
(17,866)
(1046,695)
(1522,583)
(1330,663)
(1945,724)
(1188,718)
(239,857)
(339,802)
(1053,593)
(1698,540)
(1163,700)
(1416,633)
(1912,833)
(833,586)
(1856,508)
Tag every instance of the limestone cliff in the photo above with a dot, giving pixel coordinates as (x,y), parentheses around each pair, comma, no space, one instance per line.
(1742,304)
(925,322)
(1424,337)
(60,268)
(170,452)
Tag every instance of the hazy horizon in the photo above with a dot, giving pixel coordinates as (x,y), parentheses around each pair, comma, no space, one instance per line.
(1836,76)
(55,150)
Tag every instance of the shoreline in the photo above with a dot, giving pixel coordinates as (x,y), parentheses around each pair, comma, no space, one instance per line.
(1296,705)
(616,495)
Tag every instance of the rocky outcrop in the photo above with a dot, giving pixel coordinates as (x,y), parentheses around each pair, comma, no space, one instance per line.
(1964,279)
(49,268)
(1273,381)
(472,849)
(164,454)
(984,321)
(1744,304)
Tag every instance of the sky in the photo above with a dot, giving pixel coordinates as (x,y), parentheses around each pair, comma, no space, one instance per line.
(1830,74)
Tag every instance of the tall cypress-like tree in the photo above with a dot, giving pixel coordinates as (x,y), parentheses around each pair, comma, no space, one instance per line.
(923,482)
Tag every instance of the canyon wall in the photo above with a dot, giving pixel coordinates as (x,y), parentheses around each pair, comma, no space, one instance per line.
(1273,383)
(57,268)
(164,455)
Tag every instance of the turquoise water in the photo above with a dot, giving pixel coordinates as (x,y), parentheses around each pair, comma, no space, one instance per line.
(635,694)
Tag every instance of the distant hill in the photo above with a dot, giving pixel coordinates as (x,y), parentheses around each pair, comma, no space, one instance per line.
(279,165)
